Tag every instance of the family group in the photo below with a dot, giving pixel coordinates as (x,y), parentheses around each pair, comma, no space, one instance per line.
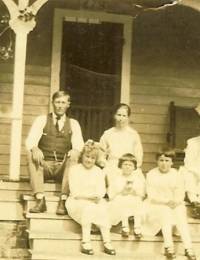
(102,183)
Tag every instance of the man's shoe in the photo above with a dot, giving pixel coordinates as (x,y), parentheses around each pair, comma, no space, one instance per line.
(61,209)
(39,207)
(190,254)
(169,253)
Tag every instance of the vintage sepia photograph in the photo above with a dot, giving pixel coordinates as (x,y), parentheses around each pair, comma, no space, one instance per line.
(99,129)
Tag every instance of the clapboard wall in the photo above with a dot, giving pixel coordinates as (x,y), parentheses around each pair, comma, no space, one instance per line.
(36,101)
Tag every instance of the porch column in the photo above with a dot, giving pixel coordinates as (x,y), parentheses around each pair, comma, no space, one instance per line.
(21,29)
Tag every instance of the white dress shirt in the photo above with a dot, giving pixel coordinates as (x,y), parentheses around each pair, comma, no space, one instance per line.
(36,132)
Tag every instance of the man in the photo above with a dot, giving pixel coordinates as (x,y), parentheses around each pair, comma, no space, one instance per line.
(54,142)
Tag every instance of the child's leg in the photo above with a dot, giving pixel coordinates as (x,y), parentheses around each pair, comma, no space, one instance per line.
(167,229)
(182,225)
(108,248)
(86,233)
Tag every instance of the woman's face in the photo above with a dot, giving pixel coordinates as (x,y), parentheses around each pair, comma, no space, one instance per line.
(121,117)
(127,167)
(88,160)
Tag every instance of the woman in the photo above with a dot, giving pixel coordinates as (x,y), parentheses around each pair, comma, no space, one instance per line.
(120,139)
(85,203)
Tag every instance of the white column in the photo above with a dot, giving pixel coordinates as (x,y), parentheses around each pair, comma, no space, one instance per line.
(21,29)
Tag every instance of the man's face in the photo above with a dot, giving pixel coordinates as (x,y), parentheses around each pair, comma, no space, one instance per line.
(60,105)
(164,164)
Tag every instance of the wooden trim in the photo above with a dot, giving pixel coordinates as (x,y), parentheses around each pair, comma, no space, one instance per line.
(65,14)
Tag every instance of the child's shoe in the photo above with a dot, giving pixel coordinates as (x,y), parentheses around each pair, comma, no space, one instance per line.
(137,233)
(125,232)
(169,253)
(190,254)
(108,249)
(86,248)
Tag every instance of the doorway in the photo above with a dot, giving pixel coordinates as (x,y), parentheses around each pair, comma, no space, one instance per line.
(91,71)
(91,56)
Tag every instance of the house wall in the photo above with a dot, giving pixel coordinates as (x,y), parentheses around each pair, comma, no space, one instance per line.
(165,67)
(36,101)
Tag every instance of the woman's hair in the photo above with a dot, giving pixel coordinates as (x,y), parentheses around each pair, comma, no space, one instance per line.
(123,105)
(167,152)
(60,93)
(127,157)
(90,147)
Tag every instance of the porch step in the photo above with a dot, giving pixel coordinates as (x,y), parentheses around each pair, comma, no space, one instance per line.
(100,255)
(66,244)
(52,222)
(17,189)
(51,202)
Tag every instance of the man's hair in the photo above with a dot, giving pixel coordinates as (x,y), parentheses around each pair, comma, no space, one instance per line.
(167,152)
(127,157)
(122,105)
(60,93)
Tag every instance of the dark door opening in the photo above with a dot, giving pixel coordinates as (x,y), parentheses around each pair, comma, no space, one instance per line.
(91,70)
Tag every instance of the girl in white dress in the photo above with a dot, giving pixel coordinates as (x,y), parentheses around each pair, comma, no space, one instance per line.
(165,204)
(126,192)
(120,139)
(86,204)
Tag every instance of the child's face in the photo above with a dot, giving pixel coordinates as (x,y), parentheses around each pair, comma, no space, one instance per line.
(164,163)
(127,167)
(88,160)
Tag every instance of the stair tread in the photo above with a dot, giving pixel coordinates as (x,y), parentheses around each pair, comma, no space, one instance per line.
(69,235)
(100,254)
(25,186)
(28,197)
(47,215)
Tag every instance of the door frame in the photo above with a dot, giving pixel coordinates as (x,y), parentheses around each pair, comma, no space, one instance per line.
(61,15)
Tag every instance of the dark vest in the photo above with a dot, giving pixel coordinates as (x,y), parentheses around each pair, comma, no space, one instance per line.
(54,144)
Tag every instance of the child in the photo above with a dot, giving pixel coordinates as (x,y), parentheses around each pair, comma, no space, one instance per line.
(165,203)
(85,203)
(125,193)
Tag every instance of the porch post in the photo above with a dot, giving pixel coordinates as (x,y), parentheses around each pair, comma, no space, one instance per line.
(21,28)
(22,22)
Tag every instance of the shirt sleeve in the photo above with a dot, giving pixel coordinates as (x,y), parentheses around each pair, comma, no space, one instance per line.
(35,132)
(77,138)
(138,150)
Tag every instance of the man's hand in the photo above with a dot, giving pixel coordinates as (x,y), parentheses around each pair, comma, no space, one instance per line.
(37,156)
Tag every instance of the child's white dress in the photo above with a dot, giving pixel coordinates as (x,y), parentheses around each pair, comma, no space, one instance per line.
(161,188)
(124,206)
(87,182)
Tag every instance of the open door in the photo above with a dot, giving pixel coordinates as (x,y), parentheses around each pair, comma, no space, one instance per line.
(91,69)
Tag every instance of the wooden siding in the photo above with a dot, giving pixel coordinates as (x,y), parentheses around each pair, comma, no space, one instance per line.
(152,89)
(36,102)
